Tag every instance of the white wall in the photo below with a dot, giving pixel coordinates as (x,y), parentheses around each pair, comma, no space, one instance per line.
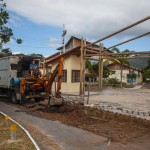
(71,62)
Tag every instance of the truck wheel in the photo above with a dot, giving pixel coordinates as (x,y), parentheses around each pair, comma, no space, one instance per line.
(14,97)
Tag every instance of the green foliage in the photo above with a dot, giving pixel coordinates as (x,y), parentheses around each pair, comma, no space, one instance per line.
(113,81)
(107,72)
(94,69)
(6,33)
(19,55)
(5,52)
(88,65)
(148,66)
(146,74)
(121,61)
(36,55)
(131,76)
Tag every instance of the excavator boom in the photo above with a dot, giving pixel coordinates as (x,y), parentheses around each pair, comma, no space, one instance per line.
(56,99)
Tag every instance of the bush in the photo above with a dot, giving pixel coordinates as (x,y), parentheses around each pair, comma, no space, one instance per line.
(114,82)
(146,75)
(131,76)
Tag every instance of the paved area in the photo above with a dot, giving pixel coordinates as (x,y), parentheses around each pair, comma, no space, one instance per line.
(134,99)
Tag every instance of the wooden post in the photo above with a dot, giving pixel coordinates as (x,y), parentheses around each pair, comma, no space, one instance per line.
(81,68)
(88,91)
(100,67)
(55,85)
(84,59)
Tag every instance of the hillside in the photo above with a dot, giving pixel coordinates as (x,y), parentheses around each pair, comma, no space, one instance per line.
(139,63)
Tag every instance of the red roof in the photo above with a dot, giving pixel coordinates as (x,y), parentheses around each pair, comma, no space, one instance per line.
(126,66)
(76,49)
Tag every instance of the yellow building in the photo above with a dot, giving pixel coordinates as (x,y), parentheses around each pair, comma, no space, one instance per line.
(71,71)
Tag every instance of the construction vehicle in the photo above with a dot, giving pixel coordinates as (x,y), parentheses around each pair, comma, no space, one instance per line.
(20,85)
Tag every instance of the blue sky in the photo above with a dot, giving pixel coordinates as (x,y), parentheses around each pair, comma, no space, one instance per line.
(41,39)
(39,23)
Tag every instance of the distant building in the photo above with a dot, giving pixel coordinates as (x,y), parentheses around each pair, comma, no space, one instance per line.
(126,70)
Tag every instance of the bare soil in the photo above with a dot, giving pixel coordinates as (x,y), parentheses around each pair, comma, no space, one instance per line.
(116,127)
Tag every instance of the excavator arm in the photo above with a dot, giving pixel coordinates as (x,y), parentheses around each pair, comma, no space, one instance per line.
(54,100)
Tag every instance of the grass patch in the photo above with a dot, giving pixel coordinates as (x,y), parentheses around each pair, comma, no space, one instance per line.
(22,142)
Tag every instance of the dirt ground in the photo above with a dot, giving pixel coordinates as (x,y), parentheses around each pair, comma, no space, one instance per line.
(22,142)
(115,127)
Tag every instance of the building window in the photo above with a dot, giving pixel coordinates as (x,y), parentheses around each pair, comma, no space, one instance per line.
(64,76)
(75,75)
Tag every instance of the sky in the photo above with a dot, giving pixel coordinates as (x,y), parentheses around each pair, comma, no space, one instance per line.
(39,23)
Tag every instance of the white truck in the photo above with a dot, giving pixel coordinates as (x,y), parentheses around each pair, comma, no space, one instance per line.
(8,70)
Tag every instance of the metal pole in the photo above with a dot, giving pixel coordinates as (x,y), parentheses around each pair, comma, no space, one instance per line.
(119,31)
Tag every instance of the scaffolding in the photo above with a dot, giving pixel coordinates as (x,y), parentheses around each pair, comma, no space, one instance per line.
(88,51)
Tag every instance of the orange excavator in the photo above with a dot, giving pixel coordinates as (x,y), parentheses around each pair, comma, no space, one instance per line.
(38,87)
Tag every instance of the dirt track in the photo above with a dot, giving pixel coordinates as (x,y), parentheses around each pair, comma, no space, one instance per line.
(116,127)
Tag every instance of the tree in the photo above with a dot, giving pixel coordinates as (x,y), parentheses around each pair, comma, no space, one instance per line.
(121,61)
(6,33)
(148,66)
(94,69)
(5,52)
(146,74)
(88,65)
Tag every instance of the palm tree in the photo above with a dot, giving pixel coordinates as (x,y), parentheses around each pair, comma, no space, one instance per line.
(121,61)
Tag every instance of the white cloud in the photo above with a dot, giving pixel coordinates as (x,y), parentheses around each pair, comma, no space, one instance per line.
(14,53)
(86,18)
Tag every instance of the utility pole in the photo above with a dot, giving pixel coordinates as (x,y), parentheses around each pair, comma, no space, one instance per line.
(63,36)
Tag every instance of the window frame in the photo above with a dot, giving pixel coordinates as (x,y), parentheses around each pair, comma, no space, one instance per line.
(72,77)
(64,77)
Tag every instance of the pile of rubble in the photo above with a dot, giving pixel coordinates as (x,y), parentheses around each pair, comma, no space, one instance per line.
(121,110)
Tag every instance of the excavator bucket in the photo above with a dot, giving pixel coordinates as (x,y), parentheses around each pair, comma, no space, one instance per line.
(56,101)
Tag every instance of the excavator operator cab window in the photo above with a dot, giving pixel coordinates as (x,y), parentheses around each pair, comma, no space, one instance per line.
(35,68)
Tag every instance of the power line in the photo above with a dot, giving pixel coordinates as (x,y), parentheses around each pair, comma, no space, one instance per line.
(29,46)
